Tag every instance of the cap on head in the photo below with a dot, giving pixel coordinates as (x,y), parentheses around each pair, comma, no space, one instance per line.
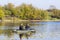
(21,24)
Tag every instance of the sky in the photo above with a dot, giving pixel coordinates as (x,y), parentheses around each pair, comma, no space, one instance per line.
(43,4)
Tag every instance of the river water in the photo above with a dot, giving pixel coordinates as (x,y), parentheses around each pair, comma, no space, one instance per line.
(44,31)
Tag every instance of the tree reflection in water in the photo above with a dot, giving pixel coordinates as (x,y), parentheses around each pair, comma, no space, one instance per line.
(7,30)
(26,35)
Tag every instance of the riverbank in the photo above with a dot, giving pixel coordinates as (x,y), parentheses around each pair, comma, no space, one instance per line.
(44,20)
(25,20)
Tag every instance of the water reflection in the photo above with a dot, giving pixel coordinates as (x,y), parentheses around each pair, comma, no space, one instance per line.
(6,32)
(10,34)
(44,31)
(26,35)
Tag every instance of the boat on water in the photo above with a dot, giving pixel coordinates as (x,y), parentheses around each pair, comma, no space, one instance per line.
(23,31)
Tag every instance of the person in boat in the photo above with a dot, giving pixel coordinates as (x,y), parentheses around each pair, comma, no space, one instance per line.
(21,27)
(27,26)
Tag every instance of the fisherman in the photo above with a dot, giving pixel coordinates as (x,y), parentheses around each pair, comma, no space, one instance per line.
(27,26)
(21,27)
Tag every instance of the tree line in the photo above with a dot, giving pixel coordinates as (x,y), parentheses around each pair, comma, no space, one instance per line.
(28,12)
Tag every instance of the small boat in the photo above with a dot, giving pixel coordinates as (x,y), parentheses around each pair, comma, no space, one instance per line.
(23,31)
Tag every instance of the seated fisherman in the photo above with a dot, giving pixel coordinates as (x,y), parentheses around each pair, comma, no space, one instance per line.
(21,27)
(27,26)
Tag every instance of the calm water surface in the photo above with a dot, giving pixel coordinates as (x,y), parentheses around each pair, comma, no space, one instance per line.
(44,31)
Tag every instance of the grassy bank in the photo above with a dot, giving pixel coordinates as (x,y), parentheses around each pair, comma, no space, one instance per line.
(26,20)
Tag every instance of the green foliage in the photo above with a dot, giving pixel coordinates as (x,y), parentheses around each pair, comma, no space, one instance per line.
(1,14)
(27,12)
(9,9)
(55,13)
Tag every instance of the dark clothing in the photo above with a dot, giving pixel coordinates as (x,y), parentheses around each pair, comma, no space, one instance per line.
(27,27)
(21,28)
(24,28)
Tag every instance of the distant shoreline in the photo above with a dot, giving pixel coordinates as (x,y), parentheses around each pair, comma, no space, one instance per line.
(27,20)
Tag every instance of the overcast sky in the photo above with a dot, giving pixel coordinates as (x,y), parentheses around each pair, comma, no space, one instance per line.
(44,4)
